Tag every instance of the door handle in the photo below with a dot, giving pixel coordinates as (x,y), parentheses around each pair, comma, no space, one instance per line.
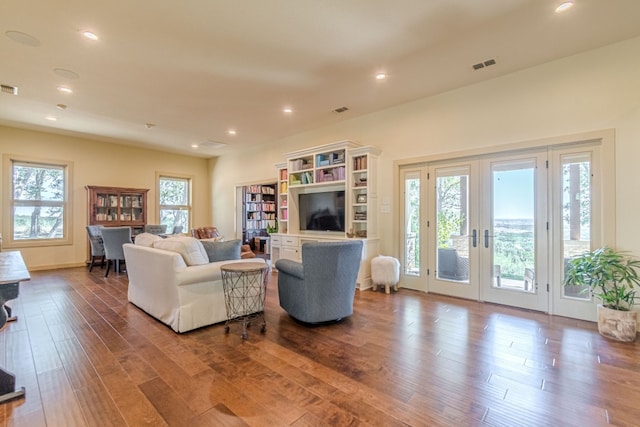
(486,238)
(474,238)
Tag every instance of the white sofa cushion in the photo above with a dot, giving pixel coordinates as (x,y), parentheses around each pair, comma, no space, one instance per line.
(190,248)
(147,239)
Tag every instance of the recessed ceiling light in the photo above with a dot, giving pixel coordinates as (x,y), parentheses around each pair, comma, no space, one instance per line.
(90,35)
(287,110)
(194,145)
(67,74)
(51,118)
(23,38)
(65,89)
(232,132)
(381,76)
(564,6)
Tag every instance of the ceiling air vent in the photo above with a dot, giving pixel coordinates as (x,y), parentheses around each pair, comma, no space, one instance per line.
(340,110)
(212,144)
(13,90)
(487,63)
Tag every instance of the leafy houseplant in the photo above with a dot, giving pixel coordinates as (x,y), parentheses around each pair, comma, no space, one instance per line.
(274,229)
(612,277)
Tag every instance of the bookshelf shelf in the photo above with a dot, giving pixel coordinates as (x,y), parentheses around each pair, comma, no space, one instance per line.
(283,198)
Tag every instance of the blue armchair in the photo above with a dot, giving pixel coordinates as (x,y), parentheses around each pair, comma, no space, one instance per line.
(322,287)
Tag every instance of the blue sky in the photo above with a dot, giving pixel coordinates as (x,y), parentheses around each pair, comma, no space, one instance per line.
(513,194)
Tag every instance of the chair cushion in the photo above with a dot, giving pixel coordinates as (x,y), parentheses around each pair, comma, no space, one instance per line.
(190,248)
(222,251)
(147,239)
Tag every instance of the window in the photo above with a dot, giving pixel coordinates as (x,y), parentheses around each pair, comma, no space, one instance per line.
(576,213)
(412,223)
(39,210)
(174,202)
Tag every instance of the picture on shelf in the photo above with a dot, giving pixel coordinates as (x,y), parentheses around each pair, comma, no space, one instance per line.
(362,198)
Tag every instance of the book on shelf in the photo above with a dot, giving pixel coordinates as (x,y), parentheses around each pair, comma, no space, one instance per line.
(359,163)
(337,158)
(307,178)
(301,164)
(362,182)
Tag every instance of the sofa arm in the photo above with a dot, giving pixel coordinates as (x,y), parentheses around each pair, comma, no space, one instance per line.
(291,268)
(198,274)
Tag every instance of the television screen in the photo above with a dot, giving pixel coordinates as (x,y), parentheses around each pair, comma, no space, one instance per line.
(322,211)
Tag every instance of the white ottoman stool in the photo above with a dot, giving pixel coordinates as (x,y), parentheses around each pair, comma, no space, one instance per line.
(385,271)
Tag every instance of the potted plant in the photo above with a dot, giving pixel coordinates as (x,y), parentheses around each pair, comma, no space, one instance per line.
(272,229)
(612,277)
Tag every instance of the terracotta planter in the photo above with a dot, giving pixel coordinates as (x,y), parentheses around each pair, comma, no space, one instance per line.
(617,325)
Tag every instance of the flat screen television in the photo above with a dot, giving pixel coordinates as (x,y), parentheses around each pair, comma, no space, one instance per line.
(322,211)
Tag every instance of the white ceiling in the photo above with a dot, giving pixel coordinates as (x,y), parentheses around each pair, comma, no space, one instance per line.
(196,68)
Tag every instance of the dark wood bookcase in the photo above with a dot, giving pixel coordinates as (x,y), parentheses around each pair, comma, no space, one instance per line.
(116,207)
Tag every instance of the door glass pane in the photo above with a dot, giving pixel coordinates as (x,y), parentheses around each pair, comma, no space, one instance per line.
(452,203)
(513,228)
(412,224)
(576,213)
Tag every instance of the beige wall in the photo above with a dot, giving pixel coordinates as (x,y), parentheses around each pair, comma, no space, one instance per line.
(595,90)
(99,163)
(599,89)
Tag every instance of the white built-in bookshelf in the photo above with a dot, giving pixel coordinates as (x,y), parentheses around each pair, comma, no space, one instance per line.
(339,168)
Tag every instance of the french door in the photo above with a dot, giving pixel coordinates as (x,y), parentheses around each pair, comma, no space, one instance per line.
(453,229)
(489,229)
(513,231)
(501,227)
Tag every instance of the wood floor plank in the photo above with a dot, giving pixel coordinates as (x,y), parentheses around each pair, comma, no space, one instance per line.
(59,400)
(219,416)
(171,407)
(88,357)
(135,408)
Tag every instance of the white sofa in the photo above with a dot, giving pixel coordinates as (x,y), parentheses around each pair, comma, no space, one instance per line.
(183,297)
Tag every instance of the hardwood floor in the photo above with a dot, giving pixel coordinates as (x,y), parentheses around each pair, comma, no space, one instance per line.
(88,357)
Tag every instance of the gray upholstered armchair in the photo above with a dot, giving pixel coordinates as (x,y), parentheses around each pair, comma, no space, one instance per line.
(322,287)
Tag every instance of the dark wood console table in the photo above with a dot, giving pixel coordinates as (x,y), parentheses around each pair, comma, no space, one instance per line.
(12,272)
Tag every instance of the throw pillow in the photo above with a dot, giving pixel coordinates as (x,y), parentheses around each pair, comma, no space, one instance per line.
(222,251)
(146,239)
(190,248)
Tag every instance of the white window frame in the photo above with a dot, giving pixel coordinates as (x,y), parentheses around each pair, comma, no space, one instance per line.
(8,240)
(188,207)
